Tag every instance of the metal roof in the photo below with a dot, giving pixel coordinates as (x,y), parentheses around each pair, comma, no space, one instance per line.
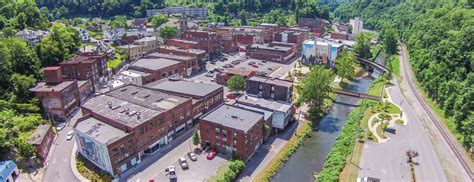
(186,87)
(234,117)
(100,131)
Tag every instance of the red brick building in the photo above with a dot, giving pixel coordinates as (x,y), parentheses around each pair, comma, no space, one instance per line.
(41,139)
(290,37)
(340,35)
(58,97)
(270,88)
(156,69)
(184,44)
(123,124)
(201,55)
(271,53)
(87,67)
(191,64)
(316,25)
(225,75)
(206,97)
(229,44)
(207,40)
(233,130)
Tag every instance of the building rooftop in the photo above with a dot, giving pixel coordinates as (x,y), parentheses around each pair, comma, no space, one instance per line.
(196,51)
(51,68)
(186,87)
(154,64)
(44,87)
(263,103)
(184,41)
(38,135)
(130,46)
(6,169)
(84,59)
(272,48)
(100,131)
(237,71)
(273,81)
(234,117)
(145,39)
(169,56)
(134,73)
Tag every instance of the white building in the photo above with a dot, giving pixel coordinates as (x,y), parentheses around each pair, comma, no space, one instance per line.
(320,52)
(357,25)
(32,37)
(84,34)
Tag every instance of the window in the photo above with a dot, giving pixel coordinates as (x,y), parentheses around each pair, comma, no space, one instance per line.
(272,95)
(218,130)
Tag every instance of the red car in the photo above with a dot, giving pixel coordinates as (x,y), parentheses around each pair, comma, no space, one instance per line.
(231,96)
(211,155)
(255,66)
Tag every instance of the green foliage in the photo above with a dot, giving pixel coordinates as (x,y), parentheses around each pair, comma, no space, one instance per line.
(390,41)
(394,65)
(196,139)
(236,83)
(158,20)
(315,88)
(336,159)
(17,15)
(439,39)
(90,171)
(168,32)
(345,64)
(231,172)
(119,22)
(362,46)
(243,17)
(61,44)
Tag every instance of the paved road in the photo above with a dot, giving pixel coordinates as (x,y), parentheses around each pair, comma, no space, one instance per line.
(59,165)
(387,161)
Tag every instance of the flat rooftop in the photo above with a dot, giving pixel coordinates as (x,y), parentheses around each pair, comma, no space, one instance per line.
(169,56)
(234,117)
(44,87)
(272,48)
(130,46)
(38,135)
(264,103)
(186,87)
(273,81)
(135,100)
(83,59)
(238,71)
(100,131)
(154,63)
(196,51)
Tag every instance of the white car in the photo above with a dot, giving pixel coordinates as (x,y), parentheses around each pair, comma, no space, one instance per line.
(60,126)
(69,135)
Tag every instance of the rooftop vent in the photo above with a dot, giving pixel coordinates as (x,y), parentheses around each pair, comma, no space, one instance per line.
(235,117)
(110,105)
(127,111)
(138,115)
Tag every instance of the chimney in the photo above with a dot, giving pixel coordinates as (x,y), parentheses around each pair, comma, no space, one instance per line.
(127,111)
(138,115)
(110,105)
(53,75)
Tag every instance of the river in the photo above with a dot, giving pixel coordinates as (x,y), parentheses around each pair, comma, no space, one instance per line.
(310,157)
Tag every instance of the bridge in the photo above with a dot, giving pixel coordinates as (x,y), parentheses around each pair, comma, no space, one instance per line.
(372,64)
(357,94)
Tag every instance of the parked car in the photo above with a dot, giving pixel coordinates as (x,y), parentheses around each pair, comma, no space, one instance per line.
(254,65)
(217,70)
(209,74)
(367,179)
(69,135)
(231,96)
(171,170)
(260,64)
(183,163)
(192,156)
(211,155)
(60,126)
(391,130)
(213,62)
(264,61)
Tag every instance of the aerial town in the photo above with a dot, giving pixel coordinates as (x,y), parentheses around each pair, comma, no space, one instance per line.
(170,96)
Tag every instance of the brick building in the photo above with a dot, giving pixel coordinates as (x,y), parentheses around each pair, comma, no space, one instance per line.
(280,113)
(340,35)
(232,130)
(156,69)
(207,40)
(184,44)
(190,63)
(125,123)
(290,37)
(58,97)
(140,47)
(229,43)
(206,97)
(87,67)
(271,53)
(41,139)
(270,88)
(201,55)
(316,25)
(225,75)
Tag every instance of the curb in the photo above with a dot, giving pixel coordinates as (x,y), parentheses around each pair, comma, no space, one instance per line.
(73,164)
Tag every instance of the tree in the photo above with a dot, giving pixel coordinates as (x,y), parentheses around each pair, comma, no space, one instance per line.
(119,22)
(236,83)
(196,139)
(345,64)
(362,46)
(390,41)
(315,88)
(60,44)
(23,59)
(158,20)
(168,32)
(243,17)
(349,29)
(21,84)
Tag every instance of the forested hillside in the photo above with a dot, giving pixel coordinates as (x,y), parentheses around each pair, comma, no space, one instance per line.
(439,36)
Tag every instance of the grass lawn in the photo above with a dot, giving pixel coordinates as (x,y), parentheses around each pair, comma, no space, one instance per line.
(380,131)
(114,63)
(220,173)
(375,50)
(376,88)
(399,122)
(394,65)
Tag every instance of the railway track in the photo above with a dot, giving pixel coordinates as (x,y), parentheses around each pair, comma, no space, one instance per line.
(450,140)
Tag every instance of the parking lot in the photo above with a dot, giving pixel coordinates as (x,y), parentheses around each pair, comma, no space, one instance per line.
(199,170)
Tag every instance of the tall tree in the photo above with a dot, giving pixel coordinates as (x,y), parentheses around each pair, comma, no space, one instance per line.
(59,45)
(196,139)
(345,64)
(315,88)
(236,83)
(390,41)
(168,32)
(158,20)
(362,46)
(243,17)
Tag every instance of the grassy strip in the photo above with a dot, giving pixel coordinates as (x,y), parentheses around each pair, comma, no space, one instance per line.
(284,154)
(376,87)
(394,65)
(90,172)
(375,50)
(336,160)
(228,172)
